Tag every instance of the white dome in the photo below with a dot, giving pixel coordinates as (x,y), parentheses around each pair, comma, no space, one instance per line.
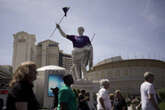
(50,67)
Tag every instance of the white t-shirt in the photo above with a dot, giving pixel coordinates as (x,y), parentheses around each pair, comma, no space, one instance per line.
(104,94)
(146,89)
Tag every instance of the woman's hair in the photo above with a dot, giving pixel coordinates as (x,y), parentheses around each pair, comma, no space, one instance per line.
(23,72)
(103,82)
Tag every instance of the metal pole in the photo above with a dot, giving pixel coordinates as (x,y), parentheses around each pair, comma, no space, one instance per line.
(93,37)
(56,27)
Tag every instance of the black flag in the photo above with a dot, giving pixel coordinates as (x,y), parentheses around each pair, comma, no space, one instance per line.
(65,9)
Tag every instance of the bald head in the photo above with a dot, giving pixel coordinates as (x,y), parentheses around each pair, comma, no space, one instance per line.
(80,30)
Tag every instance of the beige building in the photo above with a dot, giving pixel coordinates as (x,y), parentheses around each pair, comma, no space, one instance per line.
(23,48)
(127,75)
(65,60)
(44,53)
(47,53)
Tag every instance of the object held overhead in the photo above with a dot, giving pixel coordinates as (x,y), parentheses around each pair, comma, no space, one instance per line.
(65,9)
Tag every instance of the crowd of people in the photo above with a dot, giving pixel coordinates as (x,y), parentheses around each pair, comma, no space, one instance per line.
(111,101)
(22,97)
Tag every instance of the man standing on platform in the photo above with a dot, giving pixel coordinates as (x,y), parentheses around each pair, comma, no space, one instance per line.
(82,53)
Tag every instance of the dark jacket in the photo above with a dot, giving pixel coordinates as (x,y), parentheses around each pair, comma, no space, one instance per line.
(22,92)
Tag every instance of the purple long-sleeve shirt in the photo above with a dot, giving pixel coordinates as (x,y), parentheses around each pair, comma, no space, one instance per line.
(79,41)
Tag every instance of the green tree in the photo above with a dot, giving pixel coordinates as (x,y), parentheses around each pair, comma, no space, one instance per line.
(161,94)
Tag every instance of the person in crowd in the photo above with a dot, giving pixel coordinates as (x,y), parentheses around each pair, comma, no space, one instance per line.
(1,104)
(148,93)
(119,101)
(82,54)
(83,100)
(134,102)
(94,96)
(76,91)
(55,93)
(21,96)
(90,103)
(66,96)
(103,101)
(111,97)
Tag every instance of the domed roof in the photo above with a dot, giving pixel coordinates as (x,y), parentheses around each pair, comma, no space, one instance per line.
(50,67)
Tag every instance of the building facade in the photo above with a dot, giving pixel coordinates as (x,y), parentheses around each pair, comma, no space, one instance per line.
(5,75)
(44,53)
(47,53)
(23,48)
(127,75)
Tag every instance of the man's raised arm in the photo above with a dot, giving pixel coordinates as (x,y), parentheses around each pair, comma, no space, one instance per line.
(61,31)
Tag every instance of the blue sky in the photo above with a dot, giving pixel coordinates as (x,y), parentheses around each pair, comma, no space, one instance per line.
(127,28)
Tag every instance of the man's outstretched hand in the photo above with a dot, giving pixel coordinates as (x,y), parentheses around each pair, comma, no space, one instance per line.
(58,26)
(60,30)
